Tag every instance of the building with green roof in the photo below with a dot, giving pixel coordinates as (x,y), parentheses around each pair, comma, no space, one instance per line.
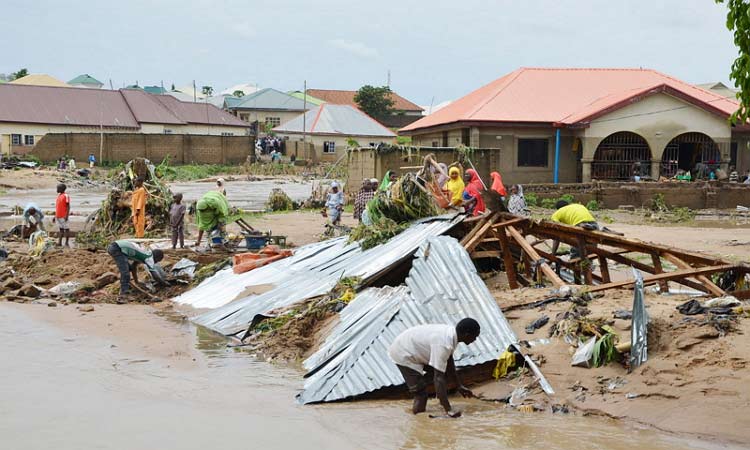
(87,81)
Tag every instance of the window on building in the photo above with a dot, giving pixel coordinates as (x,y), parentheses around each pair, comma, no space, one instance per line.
(224,133)
(434,143)
(329,147)
(533,152)
(445,138)
(167,131)
(15,139)
(733,154)
(28,140)
(466,136)
(273,121)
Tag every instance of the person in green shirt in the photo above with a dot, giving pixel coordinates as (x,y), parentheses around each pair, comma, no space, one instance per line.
(128,255)
(575,215)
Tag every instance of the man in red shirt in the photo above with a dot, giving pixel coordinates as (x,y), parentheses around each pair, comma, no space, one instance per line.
(62,214)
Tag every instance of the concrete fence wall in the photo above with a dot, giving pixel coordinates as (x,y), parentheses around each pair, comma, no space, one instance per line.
(180,148)
(698,195)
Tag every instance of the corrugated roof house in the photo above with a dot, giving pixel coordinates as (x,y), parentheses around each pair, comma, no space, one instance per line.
(267,108)
(405,111)
(607,120)
(87,81)
(39,79)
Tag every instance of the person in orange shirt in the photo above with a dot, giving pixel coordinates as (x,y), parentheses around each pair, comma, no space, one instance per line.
(62,215)
(138,208)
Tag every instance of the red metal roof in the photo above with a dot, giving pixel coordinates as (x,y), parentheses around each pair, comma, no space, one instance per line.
(126,108)
(566,97)
(337,97)
(64,106)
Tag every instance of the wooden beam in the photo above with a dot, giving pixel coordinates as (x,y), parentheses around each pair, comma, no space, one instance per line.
(656,261)
(477,237)
(677,274)
(585,264)
(604,268)
(508,262)
(712,288)
(486,254)
(529,250)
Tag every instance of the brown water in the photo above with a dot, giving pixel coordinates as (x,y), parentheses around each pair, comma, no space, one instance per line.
(62,388)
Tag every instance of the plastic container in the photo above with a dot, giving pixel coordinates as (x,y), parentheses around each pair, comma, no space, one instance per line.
(255,242)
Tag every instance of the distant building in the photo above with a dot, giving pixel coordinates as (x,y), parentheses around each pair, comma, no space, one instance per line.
(245,88)
(597,123)
(309,98)
(87,81)
(330,128)
(267,107)
(720,88)
(39,79)
(404,111)
(27,113)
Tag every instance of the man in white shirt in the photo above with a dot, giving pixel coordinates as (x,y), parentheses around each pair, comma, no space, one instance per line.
(426,351)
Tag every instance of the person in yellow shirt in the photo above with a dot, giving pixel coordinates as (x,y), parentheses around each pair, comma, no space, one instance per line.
(575,215)
(138,207)
(455,185)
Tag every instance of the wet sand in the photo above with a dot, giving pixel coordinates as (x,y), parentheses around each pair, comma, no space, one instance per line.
(125,377)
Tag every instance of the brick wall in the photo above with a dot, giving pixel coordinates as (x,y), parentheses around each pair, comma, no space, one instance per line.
(121,147)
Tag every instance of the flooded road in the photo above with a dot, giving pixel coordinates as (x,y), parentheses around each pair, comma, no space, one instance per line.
(247,195)
(124,378)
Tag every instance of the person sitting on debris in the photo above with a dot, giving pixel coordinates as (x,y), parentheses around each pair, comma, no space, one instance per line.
(220,186)
(177,221)
(138,207)
(455,185)
(425,352)
(517,202)
(363,196)
(334,204)
(127,256)
(62,215)
(472,197)
(497,184)
(92,160)
(32,218)
(211,213)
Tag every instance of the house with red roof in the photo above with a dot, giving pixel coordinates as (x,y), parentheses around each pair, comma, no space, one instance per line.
(573,125)
(28,113)
(404,111)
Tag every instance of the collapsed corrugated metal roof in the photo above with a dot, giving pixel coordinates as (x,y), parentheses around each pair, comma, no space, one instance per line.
(443,287)
(320,273)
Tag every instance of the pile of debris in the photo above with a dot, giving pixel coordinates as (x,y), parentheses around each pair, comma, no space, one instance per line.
(114,217)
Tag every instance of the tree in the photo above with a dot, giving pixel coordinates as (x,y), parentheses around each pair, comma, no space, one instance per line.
(375,101)
(738,21)
(238,93)
(20,74)
(173,89)
(207,90)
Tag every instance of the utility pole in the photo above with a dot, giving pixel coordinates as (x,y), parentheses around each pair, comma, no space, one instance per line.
(304,118)
(389,78)
(195,94)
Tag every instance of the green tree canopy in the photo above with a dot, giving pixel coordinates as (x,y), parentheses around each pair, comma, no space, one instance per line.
(20,74)
(738,21)
(207,90)
(238,93)
(375,101)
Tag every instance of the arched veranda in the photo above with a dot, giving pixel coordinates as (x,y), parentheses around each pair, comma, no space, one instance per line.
(620,156)
(694,152)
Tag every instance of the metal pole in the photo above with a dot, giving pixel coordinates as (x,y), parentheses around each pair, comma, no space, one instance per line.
(557,155)
(304,117)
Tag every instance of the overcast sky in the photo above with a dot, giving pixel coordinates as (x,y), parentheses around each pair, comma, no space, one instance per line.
(433,49)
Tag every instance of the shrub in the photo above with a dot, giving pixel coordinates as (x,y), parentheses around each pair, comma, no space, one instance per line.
(531,199)
(593,205)
(567,197)
(548,203)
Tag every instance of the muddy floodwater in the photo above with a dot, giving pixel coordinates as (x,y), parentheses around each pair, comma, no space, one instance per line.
(123,377)
(247,195)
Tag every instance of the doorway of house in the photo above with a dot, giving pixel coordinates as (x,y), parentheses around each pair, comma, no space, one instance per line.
(694,152)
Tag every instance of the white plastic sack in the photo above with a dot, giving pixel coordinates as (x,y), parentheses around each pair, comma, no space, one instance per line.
(66,288)
(584,353)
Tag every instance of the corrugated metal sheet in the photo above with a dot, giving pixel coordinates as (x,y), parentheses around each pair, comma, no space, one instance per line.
(201,113)
(273,100)
(147,109)
(225,285)
(443,288)
(321,274)
(336,119)
(338,97)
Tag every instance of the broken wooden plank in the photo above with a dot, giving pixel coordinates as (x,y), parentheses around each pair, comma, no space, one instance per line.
(486,254)
(712,288)
(532,253)
(510,267)
(656,261)
(677,274)
(604,269)
(477,237)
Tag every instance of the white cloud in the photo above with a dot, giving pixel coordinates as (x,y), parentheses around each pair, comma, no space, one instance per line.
(355,48)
